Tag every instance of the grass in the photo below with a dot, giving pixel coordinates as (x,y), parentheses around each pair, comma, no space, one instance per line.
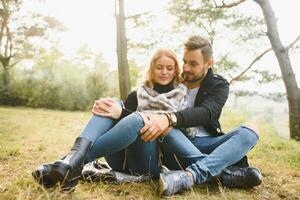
(30,137)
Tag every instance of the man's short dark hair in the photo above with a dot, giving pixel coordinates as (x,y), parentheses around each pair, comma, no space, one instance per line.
(195,42)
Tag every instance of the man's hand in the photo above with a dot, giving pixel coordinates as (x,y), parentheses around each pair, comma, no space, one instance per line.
(107,107)
(155,126)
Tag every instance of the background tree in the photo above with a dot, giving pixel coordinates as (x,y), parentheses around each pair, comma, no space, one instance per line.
(17,32)
(287,73)
(283,59)
(124,79)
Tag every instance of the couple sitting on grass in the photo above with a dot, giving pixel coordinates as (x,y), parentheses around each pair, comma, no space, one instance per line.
(173,114)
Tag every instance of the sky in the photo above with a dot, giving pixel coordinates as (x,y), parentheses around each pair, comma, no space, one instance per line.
(92,22)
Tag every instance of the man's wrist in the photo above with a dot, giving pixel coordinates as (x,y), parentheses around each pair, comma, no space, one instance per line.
(168,118)
(173,119)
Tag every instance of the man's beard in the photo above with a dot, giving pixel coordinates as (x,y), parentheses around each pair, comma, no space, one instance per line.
(193,80)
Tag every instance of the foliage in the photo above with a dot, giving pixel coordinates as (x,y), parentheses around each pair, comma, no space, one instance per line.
(199,14)
(267,76)
(21,35)
(56,82)
(59,83)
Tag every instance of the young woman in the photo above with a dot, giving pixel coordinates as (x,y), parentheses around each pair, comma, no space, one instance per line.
(114,131)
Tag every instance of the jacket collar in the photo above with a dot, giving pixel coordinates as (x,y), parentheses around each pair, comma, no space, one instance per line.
(208,79)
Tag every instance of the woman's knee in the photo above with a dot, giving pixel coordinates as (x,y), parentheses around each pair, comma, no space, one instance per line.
(118,101)
(134,120)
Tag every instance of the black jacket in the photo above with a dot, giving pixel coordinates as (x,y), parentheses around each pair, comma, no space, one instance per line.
(209,102)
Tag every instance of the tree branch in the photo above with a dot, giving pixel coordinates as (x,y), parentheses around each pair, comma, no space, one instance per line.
(293,43)
(137,15)
(252,63)
(229,5)
(13,64)
(259,57)
(216,5)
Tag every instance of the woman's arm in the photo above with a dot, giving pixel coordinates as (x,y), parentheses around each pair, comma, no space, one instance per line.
(108,107)
(130,104)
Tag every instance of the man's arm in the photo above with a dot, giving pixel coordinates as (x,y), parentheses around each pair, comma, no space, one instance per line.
(155,125)
(208,110)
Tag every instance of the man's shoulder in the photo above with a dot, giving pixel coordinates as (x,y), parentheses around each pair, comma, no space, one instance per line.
(220,78)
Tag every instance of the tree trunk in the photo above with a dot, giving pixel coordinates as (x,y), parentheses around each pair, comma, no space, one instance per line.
(124,79)
(288,76)
(6,78)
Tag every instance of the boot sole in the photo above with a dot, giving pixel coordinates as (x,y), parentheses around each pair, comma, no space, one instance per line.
(161,186)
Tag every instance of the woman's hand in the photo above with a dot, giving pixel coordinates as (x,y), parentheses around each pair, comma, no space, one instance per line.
(107,107)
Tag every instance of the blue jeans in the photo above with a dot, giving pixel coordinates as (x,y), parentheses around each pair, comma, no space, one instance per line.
(111,140)
(206,157)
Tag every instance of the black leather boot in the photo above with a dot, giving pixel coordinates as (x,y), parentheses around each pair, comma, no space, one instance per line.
(65,169)
(241,177)
(70,182)
(41,175)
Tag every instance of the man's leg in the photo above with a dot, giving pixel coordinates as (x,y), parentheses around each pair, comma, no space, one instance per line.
(178,151)
(224,151)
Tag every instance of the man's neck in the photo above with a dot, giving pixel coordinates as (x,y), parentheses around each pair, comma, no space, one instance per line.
(192,85)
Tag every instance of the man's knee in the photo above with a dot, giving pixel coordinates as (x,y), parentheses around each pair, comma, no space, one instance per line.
(247,136)
(252,127)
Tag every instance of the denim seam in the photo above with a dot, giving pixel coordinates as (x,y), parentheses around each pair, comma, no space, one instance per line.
(251,130)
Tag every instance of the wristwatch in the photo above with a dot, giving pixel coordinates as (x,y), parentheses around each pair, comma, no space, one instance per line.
(173,119)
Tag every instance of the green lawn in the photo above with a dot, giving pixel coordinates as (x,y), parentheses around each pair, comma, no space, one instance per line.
(29,137)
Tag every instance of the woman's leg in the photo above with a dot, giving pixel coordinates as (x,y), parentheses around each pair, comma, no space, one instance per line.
(95,127)
(143,158)
(124,133)
(139,158)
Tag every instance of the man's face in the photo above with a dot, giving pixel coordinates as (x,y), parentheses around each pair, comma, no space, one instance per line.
(194,68)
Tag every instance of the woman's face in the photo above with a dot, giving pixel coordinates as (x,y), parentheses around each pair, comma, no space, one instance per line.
(164,70)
